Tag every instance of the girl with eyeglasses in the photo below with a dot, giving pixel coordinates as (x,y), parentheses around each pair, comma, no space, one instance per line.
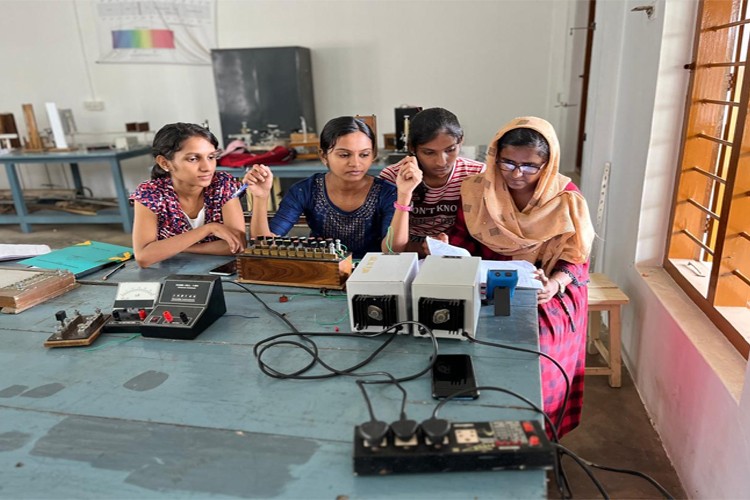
(428,181)
(187,206)
(522,208)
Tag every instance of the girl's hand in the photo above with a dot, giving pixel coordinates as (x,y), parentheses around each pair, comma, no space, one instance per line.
(549,287)
(235,239)
(259,180)
(409,175)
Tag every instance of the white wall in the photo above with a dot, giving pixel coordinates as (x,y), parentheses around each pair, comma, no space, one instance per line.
(487,61)
(689,378)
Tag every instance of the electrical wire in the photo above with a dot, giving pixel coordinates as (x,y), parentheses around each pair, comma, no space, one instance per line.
(560,476)
(536,408)
(631,472)
(585,468)
(561,413)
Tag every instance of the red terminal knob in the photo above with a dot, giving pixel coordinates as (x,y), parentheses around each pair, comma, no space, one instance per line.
(283,298)
(142,314)
(167,316)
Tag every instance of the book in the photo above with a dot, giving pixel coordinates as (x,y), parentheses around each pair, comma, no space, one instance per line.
(81,259)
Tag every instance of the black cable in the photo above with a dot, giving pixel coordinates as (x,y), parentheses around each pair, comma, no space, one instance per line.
(585,468)
(282,317)
(642,475)
(312,349)
(456,394)
(561,477)
(361,383)
(561,413)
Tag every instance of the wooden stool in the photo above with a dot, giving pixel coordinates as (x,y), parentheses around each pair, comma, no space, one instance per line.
(606,297)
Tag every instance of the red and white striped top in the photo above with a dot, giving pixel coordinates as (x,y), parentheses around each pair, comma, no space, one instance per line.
(435,208)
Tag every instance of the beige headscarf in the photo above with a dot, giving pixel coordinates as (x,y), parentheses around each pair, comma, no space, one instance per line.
(554,225)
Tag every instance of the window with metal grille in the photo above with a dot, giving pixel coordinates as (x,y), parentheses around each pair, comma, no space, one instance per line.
(708,248)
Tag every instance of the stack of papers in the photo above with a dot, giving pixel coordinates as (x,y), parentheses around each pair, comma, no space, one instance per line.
(525,269)
(12,252)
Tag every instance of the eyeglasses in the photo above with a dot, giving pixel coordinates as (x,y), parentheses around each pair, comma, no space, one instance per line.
(525,168)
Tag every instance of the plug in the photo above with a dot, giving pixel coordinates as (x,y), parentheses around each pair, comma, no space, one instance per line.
(435,430)
(405,432)
(373,432)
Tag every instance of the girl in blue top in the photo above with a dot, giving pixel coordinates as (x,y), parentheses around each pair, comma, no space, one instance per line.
(344,203)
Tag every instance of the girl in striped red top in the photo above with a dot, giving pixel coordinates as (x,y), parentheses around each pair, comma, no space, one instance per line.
(428,180)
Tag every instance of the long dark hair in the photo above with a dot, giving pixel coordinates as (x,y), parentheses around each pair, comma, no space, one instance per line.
(340,126)
(170,138)
(524,137)
(430,122)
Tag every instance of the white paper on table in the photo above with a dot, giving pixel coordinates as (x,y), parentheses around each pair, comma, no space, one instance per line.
(11,251)
(437,247)
(525,271)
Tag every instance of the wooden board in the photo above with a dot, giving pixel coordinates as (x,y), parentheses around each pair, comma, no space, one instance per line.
(72,336)
(302,272)
(21,289)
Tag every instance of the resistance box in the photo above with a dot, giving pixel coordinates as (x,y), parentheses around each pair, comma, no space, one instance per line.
(187,305)
(379,291)
(468,446)
(445,296)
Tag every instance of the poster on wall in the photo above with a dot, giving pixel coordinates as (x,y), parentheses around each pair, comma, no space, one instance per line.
(157,31)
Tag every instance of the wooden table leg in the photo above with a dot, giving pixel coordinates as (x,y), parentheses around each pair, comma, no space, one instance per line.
(615,357)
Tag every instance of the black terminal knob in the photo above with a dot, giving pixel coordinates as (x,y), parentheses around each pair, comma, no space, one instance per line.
(184,317)
(60,316)
(116,315)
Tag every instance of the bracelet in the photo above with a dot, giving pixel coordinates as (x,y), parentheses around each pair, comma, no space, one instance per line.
(403,208)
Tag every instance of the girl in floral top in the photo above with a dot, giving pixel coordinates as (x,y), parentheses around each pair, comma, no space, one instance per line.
(186,206)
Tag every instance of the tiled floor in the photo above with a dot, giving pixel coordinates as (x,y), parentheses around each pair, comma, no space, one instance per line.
(615,432)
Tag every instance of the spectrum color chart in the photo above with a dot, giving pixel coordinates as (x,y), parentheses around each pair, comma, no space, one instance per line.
(143,39)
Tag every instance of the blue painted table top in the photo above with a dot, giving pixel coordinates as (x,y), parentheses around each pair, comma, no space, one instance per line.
(159,418)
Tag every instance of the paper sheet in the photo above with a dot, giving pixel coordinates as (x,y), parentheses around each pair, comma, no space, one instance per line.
(437,247)
(525,269)
(12,251)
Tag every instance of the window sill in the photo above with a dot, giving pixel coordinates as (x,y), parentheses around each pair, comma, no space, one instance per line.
(718,352)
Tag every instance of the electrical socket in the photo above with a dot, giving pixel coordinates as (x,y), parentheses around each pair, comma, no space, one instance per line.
(467,436)
(93,105)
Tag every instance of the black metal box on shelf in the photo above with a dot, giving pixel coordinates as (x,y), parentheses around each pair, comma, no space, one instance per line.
(262,86)
(187,305)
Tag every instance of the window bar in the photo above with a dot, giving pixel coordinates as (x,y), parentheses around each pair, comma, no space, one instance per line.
(727,25)
(741,276)
(740,92)
(734,64)
(698,242)
(716,101)
(745,235)
(702,208)
(714,139)
(708,174)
